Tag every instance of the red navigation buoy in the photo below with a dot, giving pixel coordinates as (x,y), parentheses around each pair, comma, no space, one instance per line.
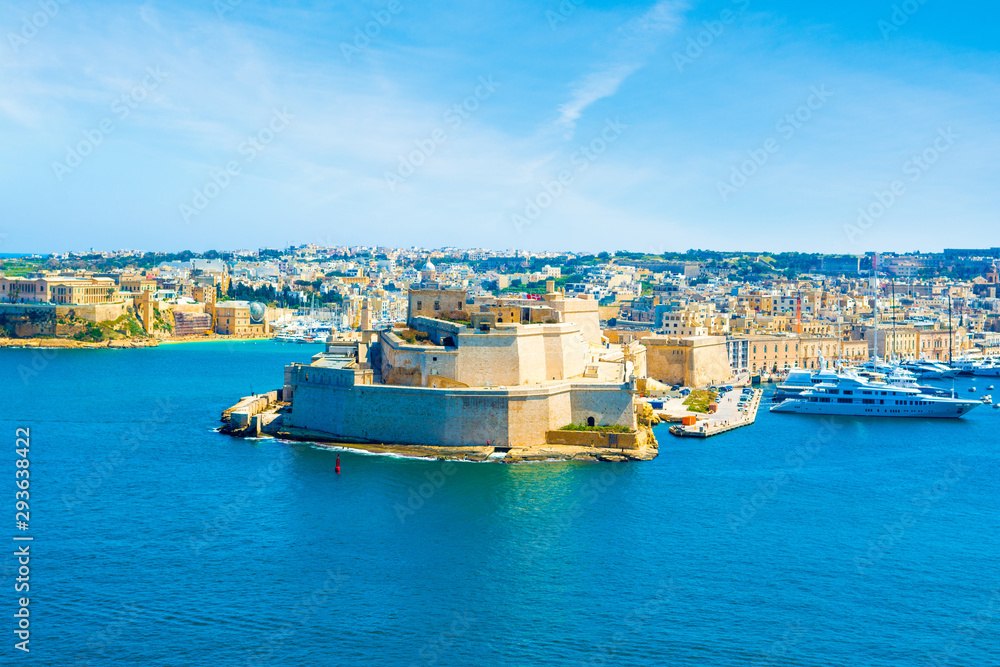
(338,464)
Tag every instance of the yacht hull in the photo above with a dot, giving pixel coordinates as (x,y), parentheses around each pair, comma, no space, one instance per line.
(931,409)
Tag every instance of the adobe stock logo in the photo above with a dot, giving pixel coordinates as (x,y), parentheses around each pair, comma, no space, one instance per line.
(121,107)
(454,117)
(220,179)
(48,9)
(363,37)
(787,127)
(900,16)
(581,159)
(914,168)
(565,10)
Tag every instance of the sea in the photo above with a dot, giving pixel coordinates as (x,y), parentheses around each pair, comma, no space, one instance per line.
(796,541)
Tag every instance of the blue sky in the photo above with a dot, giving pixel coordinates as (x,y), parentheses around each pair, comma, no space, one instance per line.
(732,125)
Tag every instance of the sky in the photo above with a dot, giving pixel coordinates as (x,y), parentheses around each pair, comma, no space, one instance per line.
(576,125)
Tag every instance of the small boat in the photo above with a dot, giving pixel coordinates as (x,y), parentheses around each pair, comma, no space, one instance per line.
(987,399)
(989,388)
(972,388)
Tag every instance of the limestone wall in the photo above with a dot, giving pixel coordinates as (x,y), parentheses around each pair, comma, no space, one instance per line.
(583,313)
(593,439)
(508,355)
(531,414)
(100,312)
(489,359)
(415,365)
(665,363)
(696,361)
(440,330)
(422,302)
(513,355)
(447,416)
(605,407)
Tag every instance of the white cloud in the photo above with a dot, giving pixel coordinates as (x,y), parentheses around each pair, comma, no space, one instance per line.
(636,40)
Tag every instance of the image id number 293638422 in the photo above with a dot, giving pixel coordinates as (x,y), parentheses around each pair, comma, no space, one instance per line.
(22,546)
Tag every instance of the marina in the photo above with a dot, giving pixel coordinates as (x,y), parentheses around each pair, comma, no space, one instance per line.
(736,409)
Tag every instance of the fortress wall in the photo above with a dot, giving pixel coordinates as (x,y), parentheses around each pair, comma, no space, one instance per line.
(696,361)
(584,314)
(489,359)
(447,417)
(607,406)
(665,363)
(100,312)
(439,330)
(413,365)
(520,355)
(573,348)
(438,363)
(555,356)
(402,415)
(531,355)
(532,415)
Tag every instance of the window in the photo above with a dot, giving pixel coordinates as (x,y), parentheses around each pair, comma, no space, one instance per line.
(590,421)
(420,305)
(437,305)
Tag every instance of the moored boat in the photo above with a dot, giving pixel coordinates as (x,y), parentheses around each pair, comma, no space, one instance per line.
(852,395)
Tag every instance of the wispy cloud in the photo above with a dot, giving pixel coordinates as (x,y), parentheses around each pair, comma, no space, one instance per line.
(634,42)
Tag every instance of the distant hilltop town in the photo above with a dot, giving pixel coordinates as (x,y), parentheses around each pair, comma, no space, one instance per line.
(700,315)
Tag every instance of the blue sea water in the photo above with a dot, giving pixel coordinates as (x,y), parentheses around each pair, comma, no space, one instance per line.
(792,542)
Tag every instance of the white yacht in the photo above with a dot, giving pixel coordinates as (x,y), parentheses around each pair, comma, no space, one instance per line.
(928,369)
(852,395)
(801,379)
(988,368)
(967,365)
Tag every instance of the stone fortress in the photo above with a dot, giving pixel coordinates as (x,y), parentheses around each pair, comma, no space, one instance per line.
(486,374)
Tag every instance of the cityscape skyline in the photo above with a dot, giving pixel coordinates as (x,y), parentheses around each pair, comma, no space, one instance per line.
(661,126)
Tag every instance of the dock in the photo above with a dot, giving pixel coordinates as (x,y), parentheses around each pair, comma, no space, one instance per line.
(726,418)
(253,415)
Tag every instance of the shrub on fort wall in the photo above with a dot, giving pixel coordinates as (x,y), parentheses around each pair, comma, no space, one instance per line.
(612,428)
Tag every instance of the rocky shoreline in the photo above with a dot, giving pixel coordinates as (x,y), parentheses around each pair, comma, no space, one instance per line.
(538,453)
(69,344)
(115,343)
(268,422)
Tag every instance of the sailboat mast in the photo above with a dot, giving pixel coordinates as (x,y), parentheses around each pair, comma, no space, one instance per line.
(875,304)
(950,344)
(894,348)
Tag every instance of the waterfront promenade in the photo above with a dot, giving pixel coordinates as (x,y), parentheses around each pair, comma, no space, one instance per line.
(727,417)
